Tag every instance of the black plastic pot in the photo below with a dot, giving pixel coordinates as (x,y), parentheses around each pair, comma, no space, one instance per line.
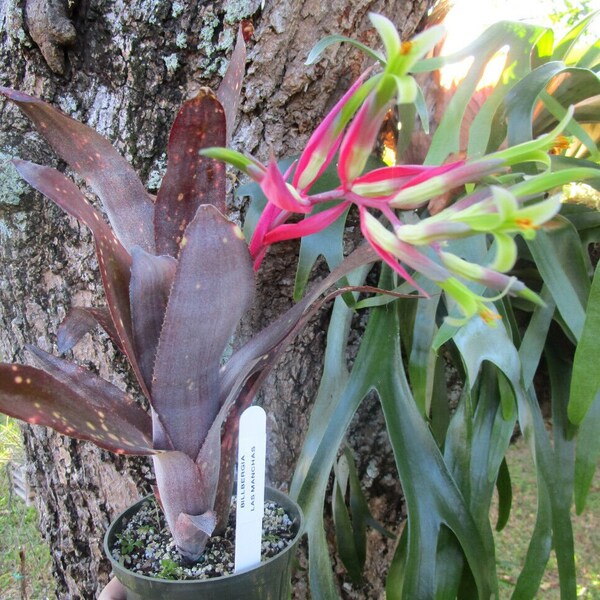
(271,580)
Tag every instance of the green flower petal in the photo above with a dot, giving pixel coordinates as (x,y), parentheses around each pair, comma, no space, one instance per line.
(506,253)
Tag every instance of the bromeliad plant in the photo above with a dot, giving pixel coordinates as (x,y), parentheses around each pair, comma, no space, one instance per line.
(178,278)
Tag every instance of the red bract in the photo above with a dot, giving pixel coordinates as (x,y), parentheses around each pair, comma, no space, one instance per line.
(307,226)
(280,194)
(374,189)
(352,127)
(361,135)
(325,141)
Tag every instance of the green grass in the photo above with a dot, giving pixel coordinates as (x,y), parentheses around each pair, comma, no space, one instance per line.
(512,541)
(25,565)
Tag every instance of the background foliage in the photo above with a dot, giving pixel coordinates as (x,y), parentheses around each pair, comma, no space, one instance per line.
(533,375)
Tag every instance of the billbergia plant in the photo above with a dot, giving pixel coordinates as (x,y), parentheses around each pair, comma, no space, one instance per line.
(178,278)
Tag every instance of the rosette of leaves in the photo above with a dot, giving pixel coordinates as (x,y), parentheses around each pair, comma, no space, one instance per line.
(178,278)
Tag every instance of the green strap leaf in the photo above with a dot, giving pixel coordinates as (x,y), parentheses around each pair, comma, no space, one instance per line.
(352,550)
(587,453)
(329,40)
(576,85)
(504,488)
(332,411)
(559,259)
(432,497)
(534,338)
(563,472)
(568,42)
(586,375)
(422,359)
(521,39)
(538,551)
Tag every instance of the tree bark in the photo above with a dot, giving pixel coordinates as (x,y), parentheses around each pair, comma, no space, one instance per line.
(124,67)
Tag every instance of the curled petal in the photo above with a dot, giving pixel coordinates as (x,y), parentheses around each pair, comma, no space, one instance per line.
(281,194)
(415,49)
(506,253)
(468,302)
(533,216)
(502,213)
(388,33)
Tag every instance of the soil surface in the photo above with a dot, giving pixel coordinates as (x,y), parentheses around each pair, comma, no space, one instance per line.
(145,545)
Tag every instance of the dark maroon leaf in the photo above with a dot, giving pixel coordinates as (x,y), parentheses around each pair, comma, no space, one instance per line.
(213,288)
(63,192)
(81,320)
(187,500)
(123,196)
(113,260)
(192,532)
(191,179)
(92,409)
(231,85)
(151,281)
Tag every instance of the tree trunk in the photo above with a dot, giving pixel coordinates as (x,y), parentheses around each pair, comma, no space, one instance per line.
(124,67)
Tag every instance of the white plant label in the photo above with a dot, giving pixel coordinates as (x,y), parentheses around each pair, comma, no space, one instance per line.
(252,447)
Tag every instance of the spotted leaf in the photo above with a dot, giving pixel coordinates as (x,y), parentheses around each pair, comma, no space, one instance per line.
(123,196)
(213,288)
(77,404)
(191,179)
(113,260)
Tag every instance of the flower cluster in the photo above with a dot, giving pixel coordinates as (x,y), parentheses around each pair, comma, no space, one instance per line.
(349,133)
